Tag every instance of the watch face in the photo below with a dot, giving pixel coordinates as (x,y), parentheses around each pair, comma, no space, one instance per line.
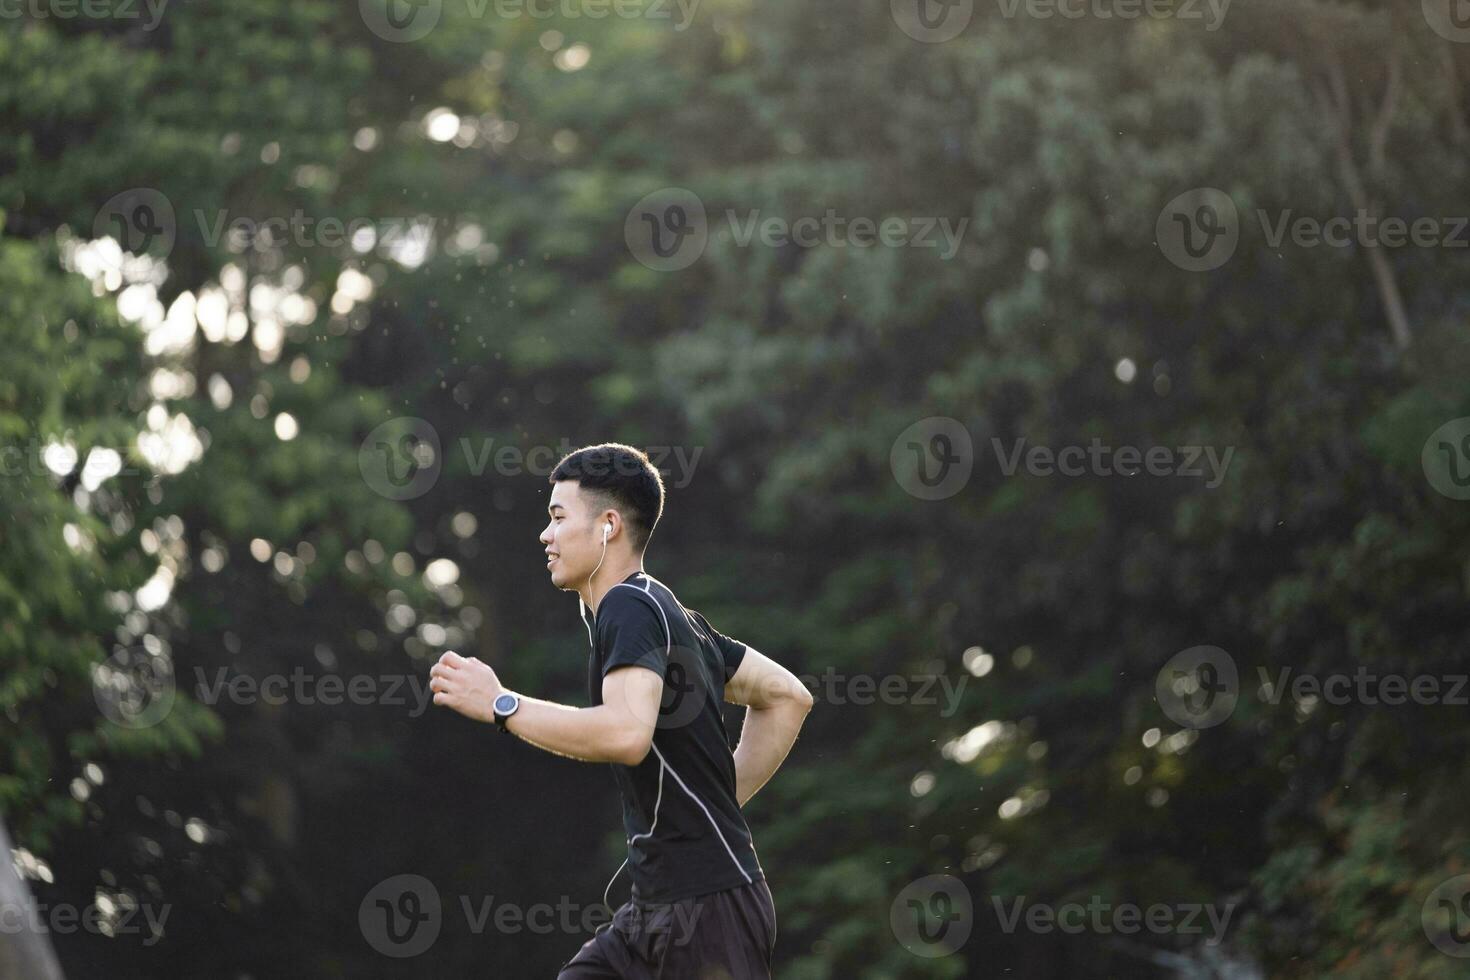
(506,703)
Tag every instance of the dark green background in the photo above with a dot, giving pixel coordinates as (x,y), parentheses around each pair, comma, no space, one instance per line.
(793,371)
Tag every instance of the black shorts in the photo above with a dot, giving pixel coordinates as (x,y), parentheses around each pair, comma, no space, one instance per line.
(728,935)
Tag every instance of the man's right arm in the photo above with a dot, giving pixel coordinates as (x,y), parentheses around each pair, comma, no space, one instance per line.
(776,706)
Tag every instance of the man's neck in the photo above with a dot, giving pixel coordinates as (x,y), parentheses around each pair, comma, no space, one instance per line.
(607,576)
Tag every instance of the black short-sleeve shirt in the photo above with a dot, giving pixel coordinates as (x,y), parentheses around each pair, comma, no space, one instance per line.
(686,835)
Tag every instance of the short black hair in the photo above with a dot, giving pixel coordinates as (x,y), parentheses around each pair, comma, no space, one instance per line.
(624,479)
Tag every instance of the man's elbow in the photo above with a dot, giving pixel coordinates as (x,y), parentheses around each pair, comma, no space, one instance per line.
(803,698)
(795,696)
(633,746)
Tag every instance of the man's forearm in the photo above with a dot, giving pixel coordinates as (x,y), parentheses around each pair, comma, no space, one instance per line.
(765,738)
(589,734)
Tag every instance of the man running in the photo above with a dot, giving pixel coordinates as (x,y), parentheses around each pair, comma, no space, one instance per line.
(657,674)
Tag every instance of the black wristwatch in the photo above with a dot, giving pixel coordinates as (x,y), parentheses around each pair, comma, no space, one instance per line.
(505,706)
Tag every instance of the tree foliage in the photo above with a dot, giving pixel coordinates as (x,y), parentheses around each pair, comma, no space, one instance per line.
(497,302)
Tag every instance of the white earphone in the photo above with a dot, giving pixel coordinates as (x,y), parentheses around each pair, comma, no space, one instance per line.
(606,530)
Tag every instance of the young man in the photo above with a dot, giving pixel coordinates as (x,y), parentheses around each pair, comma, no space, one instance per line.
(657,675)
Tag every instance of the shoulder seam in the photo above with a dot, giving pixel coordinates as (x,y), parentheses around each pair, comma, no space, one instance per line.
(648,597)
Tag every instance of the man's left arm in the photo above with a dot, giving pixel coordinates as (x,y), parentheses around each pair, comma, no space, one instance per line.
(618,730)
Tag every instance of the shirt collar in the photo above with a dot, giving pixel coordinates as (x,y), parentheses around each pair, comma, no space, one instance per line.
(582,605)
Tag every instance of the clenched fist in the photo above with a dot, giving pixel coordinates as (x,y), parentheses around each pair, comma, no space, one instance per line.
(466,685)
